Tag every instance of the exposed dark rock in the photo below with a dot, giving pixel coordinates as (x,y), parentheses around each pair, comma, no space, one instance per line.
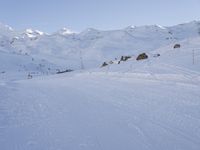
(104,64)
(156,55)
(125,58)
(177,46)
(142,56)
(65,71)
(30,76)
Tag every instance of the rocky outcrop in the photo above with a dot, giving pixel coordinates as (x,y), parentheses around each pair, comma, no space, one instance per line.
(177,46)
(142,56)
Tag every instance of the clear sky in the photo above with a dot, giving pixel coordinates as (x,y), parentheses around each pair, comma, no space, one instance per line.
(50,15)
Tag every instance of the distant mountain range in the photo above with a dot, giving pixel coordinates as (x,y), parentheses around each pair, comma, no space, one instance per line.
(65,49)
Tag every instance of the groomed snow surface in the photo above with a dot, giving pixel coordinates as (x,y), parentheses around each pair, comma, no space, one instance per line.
(103,109)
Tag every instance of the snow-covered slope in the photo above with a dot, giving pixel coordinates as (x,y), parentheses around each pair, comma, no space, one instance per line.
(91,47)
(186,57)
(102,111)
(151,104)
(17,66)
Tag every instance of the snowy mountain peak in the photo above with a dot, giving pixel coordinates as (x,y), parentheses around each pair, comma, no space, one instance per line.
(145,28)
(89,32)
(188,25)
(33,33)
(161,27)
(131,27)
(39,32)
(65,31)
(30,31)
(5,27)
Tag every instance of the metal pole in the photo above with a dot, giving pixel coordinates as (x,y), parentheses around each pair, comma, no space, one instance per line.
(81,59)
(193,56)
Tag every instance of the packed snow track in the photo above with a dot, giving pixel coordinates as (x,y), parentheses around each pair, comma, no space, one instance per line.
(100,111)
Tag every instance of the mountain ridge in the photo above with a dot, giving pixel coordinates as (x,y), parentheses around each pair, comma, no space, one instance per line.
(66,49)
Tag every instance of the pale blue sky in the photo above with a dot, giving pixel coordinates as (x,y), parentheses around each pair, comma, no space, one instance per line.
(50,15)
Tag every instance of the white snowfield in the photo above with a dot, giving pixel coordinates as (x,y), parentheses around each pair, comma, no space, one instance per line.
(151,104)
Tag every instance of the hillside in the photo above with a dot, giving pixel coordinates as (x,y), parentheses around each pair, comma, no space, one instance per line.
(146,104)
(90,48)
